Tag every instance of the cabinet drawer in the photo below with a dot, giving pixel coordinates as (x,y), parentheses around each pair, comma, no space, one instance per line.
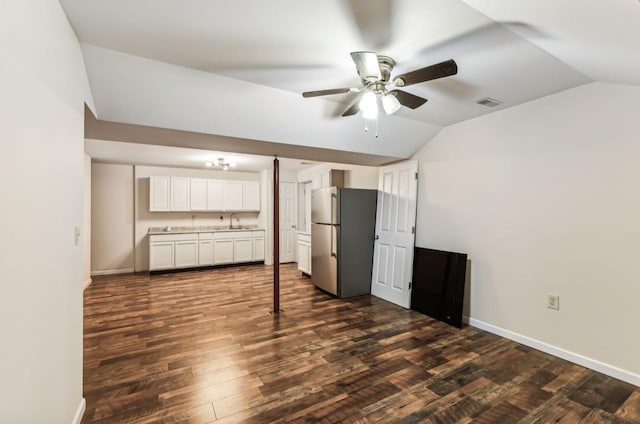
(259,233)
(231,235)
(173,237)
(205,236)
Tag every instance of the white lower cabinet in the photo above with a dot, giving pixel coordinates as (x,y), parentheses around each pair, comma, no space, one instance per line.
(304,253)
(258,245)
(171,251)
(222,251)
(238,247)
(243,249)
(186,254)
(205,249)
(161,255)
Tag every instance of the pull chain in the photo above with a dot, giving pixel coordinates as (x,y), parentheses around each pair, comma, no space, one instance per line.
(376,128)
(366,128)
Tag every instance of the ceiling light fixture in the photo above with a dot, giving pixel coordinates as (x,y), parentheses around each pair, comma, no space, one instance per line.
(220,163)
(369,105)
(390,103)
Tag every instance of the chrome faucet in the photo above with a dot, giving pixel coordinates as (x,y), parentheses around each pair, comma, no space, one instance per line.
(231,221)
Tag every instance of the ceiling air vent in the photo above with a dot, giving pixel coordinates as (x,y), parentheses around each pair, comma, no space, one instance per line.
(489,102)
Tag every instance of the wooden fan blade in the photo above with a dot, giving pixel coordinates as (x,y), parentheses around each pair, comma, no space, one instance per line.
(439,70)
(409,100)
(367,65)
(326,92)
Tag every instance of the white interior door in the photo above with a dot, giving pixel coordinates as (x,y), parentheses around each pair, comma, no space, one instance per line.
(288,222)
(395,233)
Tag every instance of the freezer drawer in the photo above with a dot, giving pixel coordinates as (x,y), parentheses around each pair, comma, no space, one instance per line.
(324,261)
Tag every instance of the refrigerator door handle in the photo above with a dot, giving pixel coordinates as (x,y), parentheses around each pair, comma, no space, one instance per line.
(333,252)
(333,208)
(333,228)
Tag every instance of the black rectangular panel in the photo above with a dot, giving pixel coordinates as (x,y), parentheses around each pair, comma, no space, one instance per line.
(438,284)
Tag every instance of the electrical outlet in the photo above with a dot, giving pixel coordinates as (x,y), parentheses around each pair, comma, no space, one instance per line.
(553,301)
(76,235)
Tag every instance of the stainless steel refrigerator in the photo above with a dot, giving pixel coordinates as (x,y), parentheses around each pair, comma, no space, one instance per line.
(342,237)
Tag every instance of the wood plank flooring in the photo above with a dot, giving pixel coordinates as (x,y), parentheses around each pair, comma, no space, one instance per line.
(201,347)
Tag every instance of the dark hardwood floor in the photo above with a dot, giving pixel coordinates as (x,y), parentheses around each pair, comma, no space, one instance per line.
(201,346)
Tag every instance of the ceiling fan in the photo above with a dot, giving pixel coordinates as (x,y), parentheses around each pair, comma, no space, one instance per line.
(374,71)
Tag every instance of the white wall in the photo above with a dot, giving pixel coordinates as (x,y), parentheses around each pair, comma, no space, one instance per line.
(112,217)
(44,87)
(544,198)
(145,219)
(86,223)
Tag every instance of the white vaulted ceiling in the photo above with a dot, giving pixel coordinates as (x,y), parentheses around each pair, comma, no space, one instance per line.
(238,67)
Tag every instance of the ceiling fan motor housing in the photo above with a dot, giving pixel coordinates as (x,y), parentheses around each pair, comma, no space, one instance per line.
(386,66)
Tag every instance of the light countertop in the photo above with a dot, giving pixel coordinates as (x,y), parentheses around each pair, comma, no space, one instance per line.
(202,229)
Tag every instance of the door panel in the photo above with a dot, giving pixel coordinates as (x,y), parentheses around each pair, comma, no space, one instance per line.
(395,222)
(399,258)
(288,233)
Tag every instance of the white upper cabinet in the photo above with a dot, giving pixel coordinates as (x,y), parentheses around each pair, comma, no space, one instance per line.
(198,194)
(180,194)
(215,195)
(232,195)
(159,194)
(251,196)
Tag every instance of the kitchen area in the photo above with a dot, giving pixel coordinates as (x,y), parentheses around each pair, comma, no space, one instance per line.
(160,218)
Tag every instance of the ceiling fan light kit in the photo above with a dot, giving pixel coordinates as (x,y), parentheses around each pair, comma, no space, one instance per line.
(374,71)
(220,163)
(390,104)
(369,105)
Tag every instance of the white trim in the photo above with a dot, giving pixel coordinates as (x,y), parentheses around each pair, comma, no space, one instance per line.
(576,358)
(87,284)
(79,412)
(112,271)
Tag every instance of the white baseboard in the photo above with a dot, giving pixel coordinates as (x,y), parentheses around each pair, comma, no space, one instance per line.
(79,412)
(112,271)
(87,284)
(576,358)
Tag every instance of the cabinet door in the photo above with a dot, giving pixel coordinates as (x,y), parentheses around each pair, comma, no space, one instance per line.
(258,249)
(198,201)
(160,255)
(186,254)
(205,252)
(243,250)
(251,196)
(215,195)
(222,251)
(304,257)
(232,195)
(180,189)
(159,194)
